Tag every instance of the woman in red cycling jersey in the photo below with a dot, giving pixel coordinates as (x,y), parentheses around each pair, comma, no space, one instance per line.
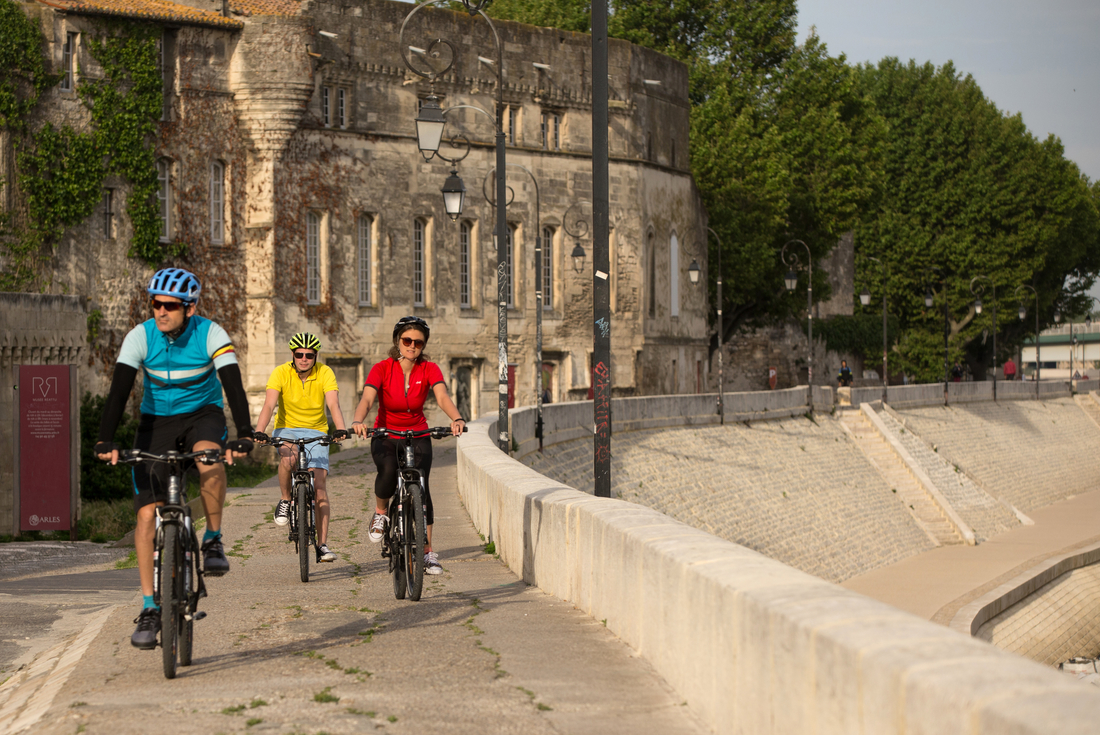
(401,384)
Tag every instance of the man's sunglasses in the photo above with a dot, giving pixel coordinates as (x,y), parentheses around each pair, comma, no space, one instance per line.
(409,342)
(305,355)
(168,306)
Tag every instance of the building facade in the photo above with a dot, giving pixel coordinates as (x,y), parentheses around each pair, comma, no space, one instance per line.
(290,181)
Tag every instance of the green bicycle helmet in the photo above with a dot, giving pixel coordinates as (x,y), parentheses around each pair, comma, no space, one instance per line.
(305,341)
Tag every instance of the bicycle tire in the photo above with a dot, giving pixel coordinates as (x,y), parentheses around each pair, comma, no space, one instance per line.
(169,598)
(301,492)
(397,555)
(187,627)
(415,534)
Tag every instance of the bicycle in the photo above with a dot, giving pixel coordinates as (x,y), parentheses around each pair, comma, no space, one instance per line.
(178,583)
(406,533)
(303,529)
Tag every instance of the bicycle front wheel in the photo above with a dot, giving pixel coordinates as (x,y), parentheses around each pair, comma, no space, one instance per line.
(171,576)
(396,541)
(415,534)
(187,627)
(301,492)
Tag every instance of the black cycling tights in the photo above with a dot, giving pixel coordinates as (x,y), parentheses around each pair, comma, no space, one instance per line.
(385,452)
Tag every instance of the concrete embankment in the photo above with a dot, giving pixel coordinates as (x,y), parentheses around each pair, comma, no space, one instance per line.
(751,643)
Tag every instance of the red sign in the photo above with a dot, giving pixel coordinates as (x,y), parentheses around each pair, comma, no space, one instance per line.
(773,375)
(45,448)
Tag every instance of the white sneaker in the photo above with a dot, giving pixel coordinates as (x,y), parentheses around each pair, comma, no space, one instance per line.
(431,563)
(282,513)
(325,554)
(378,527)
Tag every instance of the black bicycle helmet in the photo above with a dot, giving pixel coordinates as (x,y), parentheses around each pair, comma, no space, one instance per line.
(412,322)
(305,341)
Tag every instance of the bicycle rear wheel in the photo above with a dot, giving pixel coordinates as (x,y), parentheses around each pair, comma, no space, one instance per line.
(397,553)
(301,492)
(170,578)
(415,534)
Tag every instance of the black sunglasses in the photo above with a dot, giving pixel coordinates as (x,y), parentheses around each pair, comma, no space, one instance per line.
(168,306)
(409,341)
(305,355)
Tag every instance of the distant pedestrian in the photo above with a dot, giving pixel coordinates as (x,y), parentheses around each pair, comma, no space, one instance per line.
(956,372)
(844,375)
(546,396)
(1010,369)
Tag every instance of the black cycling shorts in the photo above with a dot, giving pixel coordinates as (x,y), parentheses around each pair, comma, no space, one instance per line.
(160,434)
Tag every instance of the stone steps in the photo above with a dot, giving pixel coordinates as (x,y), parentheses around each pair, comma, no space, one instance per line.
(898,476)
(1089,405)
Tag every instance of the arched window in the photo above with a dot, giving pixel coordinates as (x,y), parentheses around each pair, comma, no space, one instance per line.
(651,290)
(465,263)
(547,268)
(164,198)
(313,258)
(217,203)
(363,250)
(419,253)
(674,275)
(509,269)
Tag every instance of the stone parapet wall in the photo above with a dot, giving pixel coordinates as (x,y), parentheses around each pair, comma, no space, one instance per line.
(765,648)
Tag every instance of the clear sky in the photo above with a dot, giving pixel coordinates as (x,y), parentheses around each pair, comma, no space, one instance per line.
(1038,58)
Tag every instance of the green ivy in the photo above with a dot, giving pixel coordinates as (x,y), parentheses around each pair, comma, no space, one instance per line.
(859,334)
(61,170)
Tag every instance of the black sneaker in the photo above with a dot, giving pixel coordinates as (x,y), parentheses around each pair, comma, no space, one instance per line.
(324,553)
(214,563)
(148,625)
(282,513)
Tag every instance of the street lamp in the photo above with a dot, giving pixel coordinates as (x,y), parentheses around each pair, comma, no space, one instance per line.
(1023,313)
(791,282)
(578,230)
(865,299)
(929,300)
(693,272)
(578,257)
(454,195)
(977,288)
(426,136)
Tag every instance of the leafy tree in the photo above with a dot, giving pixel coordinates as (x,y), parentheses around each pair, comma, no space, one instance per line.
(971,192)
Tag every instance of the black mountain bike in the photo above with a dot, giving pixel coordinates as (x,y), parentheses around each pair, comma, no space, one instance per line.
(303,528)
(177,562)
(406,533)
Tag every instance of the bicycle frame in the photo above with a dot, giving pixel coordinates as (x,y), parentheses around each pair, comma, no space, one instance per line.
(302,534)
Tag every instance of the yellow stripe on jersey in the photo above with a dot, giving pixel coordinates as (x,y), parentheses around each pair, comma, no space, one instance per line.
(224,351)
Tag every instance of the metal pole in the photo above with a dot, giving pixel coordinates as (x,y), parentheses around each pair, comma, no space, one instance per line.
(885,379)
(994,339)
(601,288)
(810,320)
(1038,362)
(721,403)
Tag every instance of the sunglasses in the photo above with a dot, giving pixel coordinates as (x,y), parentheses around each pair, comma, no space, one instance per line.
(305,355)
(409,341)
(168,306)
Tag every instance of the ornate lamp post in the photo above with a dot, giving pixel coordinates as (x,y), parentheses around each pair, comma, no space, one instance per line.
(865,299)
(1023,314)
(721,401)
(792,261)
(978,289)
(428,122)
(577,230)
(929,302)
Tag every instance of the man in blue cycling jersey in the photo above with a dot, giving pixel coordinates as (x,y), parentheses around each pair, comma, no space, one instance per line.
(186,362)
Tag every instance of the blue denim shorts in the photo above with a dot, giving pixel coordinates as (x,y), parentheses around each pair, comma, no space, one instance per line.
(317,453)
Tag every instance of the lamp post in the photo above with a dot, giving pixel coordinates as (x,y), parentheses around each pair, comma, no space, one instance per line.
(721,402)
(1023,314)
(977,288)
(577,230)
(538,293)
(865,299)
(429,121)
(929,302)
(791,282)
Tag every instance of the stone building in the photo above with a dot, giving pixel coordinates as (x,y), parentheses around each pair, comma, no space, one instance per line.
(291,183)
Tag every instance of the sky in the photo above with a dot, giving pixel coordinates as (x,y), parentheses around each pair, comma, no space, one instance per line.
(1041,59)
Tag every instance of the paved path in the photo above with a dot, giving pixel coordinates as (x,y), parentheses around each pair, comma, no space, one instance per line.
(480,653)
(937,583)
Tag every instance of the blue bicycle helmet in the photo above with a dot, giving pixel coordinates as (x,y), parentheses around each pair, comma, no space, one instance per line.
(175,282)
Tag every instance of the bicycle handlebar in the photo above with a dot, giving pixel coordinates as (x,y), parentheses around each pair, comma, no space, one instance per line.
(278,441)
(136,456)
(436,432)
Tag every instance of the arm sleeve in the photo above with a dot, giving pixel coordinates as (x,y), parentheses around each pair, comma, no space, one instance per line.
(375,377)
(135,347)
(434,375)
(121,385)
(220,348)
(230,377)
(328,380)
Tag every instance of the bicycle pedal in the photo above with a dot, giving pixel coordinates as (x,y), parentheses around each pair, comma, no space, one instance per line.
(199,615)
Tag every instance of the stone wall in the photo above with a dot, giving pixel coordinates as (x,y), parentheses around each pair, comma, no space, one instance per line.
(35,329)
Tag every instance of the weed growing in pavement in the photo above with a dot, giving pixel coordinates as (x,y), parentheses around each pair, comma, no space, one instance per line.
(79,704)
(353,711)
(238,548)
(491,548)
(129,562)
(233,710)
(544,707)
(392,718)
(257,703)
(252,721)
(325,695)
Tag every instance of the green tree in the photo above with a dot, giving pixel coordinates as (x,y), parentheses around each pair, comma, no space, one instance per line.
(970,192)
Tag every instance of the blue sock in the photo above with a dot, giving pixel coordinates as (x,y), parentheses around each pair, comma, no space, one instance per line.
(210,534)
(147,602)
